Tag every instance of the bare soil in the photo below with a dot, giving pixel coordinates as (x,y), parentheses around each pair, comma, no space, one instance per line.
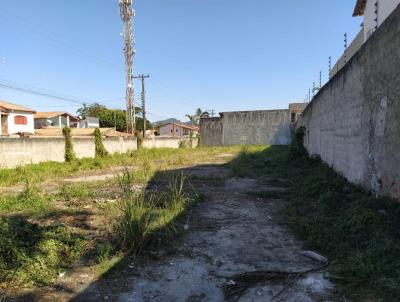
(237,248)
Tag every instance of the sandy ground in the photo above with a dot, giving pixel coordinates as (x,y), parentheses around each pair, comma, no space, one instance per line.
(236,249)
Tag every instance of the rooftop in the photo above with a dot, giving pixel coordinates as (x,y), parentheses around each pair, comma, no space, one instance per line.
(14,107)
(360,8)
(53,114)
(183,126)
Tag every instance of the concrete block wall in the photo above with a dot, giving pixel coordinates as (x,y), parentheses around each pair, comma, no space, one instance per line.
(260,127)
(353,123)
(166,142)
(21,151)
(211,131)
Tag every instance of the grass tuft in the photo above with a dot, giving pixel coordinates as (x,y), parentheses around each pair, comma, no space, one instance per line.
(150,215)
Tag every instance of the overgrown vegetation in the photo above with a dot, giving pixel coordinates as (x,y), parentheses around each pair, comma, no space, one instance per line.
(357,231)
(43,233)
(69,150)
(34,255)
(155,158)
(31,201)
(149,216)
(100,150)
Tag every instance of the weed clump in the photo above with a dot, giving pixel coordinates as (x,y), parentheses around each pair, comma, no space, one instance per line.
(100,150)
(297,149)
(69,150)
(147,216)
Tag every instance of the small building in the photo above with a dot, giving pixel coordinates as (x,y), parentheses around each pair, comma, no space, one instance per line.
(55,119)
(15,119)
(89,122)
(296,109)
(178,130)
(375,12)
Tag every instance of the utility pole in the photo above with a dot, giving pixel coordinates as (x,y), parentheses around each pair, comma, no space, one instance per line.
(127,14)
(142,77)
(211,112)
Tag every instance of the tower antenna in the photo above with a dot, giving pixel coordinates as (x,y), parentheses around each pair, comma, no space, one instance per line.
(127,14)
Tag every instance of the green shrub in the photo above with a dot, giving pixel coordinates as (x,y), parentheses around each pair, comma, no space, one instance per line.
(34,255)
(183,144)
(100,150)
(104,252)
(297,149)
(69,150)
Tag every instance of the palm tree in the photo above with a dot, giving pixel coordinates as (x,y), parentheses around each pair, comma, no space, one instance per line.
(195,118)
(192,118)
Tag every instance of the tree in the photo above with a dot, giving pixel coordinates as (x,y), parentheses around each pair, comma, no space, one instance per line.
(110,118)
(192,118)
(92,110)
(195,118)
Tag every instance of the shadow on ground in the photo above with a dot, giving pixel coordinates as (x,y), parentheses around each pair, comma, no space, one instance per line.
(234,247)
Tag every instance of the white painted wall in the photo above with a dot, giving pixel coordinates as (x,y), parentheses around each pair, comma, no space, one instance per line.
(385,8)
(29,127)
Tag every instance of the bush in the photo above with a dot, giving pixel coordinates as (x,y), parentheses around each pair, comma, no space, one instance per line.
(100,151)
(297,149)
(69,150)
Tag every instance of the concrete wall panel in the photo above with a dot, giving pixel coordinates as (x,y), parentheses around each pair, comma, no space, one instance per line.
(353,122)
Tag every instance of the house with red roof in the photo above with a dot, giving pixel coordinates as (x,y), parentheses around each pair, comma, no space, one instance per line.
(16,119)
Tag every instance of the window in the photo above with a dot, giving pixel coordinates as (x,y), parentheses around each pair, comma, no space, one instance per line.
(20,120)
(293,117)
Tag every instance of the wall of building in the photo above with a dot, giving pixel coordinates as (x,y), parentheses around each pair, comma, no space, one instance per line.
(22,151)
(171,130)
(13,129)
(385,8)
(353,122)
(166,142)
(211,131)
(261,127)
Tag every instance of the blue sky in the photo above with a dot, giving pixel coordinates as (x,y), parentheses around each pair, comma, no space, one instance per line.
(214,54)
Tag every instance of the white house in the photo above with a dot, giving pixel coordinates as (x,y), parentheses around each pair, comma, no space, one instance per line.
(55,119)
(15,119)
(375,13)
(89,122)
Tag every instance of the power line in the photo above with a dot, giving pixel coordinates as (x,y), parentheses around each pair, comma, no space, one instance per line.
(51,94)
(41,92)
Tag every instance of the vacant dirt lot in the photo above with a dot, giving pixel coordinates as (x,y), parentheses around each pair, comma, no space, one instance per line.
(235,248)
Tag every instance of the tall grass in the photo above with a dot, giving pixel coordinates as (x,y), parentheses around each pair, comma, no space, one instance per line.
(147,215)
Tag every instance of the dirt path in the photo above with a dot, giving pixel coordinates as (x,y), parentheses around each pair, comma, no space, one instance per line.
(235,250)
